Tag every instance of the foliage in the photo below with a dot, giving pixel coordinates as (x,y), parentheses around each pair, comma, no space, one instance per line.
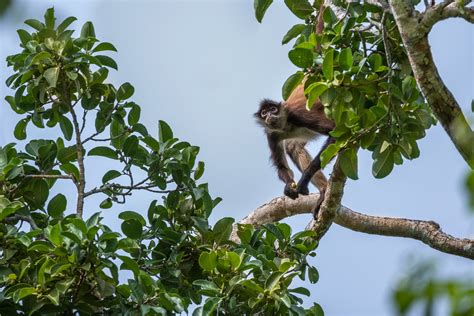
(64,264)
(357,67)
(423,288)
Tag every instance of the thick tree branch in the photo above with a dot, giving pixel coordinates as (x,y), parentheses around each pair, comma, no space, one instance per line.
(331,202)
(427,232)
(443,11)
(440,99)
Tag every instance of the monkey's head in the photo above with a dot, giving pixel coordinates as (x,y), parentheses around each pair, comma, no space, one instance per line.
(271,115)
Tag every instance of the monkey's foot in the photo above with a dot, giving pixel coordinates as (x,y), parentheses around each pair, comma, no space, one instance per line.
(290,191)
(302,189)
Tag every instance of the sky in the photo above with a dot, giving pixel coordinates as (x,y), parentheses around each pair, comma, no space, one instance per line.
(203,66)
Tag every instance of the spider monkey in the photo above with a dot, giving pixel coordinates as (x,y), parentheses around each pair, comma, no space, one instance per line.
(288,124)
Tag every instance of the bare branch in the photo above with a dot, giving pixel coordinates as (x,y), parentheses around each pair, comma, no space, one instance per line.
(13,219)
(443,11)
(427,232)
(81,182)
(440,99)
(50,176)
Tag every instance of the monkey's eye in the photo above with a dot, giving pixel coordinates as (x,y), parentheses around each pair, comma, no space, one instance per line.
(273,110)
(263,113)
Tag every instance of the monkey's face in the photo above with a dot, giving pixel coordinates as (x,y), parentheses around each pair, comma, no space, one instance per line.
(270,115)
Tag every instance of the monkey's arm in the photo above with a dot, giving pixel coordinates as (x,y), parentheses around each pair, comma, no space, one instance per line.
(279,160)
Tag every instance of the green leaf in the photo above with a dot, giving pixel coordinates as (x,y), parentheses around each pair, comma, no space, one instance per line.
(272,283)
(300,290)
(345,58)
(375,61)
(25,37)
(104,152)
(35,24)
(199,170)
(104,46)
(67,154)
(210,306)
(130,146)
(49,18)
(313,275)
(348,160)
(129,264)
(291,83)
(301,8)
(222,229)
(22,293)
(125,91)
(250,284)
(105,204)
(383,163)
(87,30)
(328,64)
(117,133)
(57,206)
(164,131)
(55,234)
(107,61)
(66,127)
(261,7)
(208,260)
(127,215)
(301,57)
(208,288)
(110,175)
(8,208)
(328,154)
(275,231)
(132,228)
(292,33)
(313,91)
(20,129)
(134,115)
(317,310)
(51,76)
(64,24)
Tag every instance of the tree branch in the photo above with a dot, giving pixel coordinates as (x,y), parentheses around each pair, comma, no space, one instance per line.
(50,176)
(331,202)
(280,208)
(427,232)
(81,182)
(14,218)
(440,99)
(443,11)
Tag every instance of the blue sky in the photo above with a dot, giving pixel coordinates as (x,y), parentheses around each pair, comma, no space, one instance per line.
(203,66)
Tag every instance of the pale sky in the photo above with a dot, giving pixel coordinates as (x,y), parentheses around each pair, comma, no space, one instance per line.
(203,66)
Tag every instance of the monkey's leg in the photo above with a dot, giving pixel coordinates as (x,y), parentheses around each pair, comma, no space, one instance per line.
(314,166)
(302,159)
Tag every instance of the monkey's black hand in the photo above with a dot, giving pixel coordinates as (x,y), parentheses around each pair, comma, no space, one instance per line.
(302,189)
(290,190)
